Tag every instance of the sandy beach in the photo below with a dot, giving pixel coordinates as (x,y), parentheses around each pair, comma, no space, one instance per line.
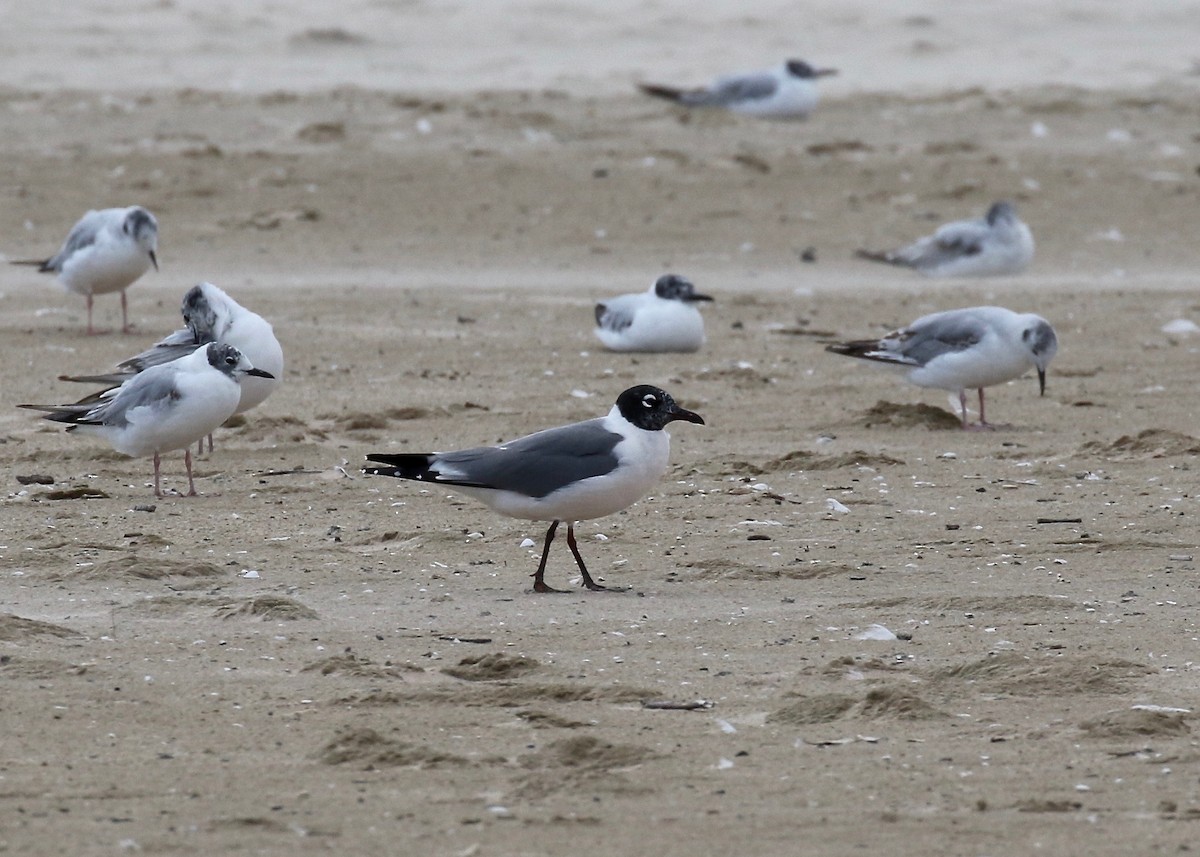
(427,203)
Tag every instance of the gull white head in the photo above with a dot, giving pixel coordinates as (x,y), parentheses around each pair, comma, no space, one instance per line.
(1039,337)
(142,227)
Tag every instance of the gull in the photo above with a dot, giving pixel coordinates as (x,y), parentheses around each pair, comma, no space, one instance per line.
(571,473)
(664,318)
(964,349)
(994,245)
(105,252)
(786,92)
(209,315)
(164,408)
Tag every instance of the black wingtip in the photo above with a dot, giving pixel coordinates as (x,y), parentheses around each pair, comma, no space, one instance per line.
(875,256)
(670,93)
(405,465)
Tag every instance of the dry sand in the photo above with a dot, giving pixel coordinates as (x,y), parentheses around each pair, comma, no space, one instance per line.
(387,683)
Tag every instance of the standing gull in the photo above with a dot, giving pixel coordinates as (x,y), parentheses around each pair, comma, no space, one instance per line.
(210,315)
(166,407)
(786,92)
(571,473)
(105,252)
(994,245)
(665,318)
(964,349)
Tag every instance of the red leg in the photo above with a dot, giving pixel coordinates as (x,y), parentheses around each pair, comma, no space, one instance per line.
(157,477)
(91,331)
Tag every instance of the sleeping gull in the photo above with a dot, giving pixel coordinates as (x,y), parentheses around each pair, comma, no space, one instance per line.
(964,349)
(571,473)
(164,408)
(105,252)
(786,92)
(665,318)
(994,245)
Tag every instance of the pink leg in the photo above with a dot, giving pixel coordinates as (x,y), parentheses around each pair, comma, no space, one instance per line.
(157,477)
(124,314)
(187,462)
(983,424)
(91,330)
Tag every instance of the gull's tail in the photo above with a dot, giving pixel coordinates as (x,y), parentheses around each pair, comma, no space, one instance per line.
(408,465)
(113,379)
(885,256)
(75,414)
(43,265)
(670,93)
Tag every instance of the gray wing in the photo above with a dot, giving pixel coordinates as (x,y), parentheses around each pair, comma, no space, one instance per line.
(181,343)
(935,335)
(536,465)
(951,241)
(615,315)
(155,388)
(83,234)
(732,90)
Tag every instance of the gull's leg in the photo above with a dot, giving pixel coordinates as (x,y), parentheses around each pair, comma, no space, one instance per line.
(983,424)
(91,330)
(187,462)
(539,585)
(124,314)
(962,403)
(587,578)
(157,477)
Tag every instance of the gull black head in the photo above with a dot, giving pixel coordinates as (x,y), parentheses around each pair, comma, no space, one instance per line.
(199,313)
(651,409)
(672,287)
(225,358)
(142,227)
(1039,337)
(1001,211)
(804,71)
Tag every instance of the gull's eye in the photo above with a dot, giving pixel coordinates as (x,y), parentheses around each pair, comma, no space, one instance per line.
(649,400)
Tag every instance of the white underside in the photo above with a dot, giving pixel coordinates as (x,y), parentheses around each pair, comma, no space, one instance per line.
(104,267)
(658,325)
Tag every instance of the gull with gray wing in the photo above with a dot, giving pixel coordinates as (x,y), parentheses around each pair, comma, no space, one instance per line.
(571,473)
(964,349)
(786,92)
(165,408)
(997,244)
(665,318)
(105,252)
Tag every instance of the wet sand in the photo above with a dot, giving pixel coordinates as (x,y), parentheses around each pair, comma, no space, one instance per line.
(304,659)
